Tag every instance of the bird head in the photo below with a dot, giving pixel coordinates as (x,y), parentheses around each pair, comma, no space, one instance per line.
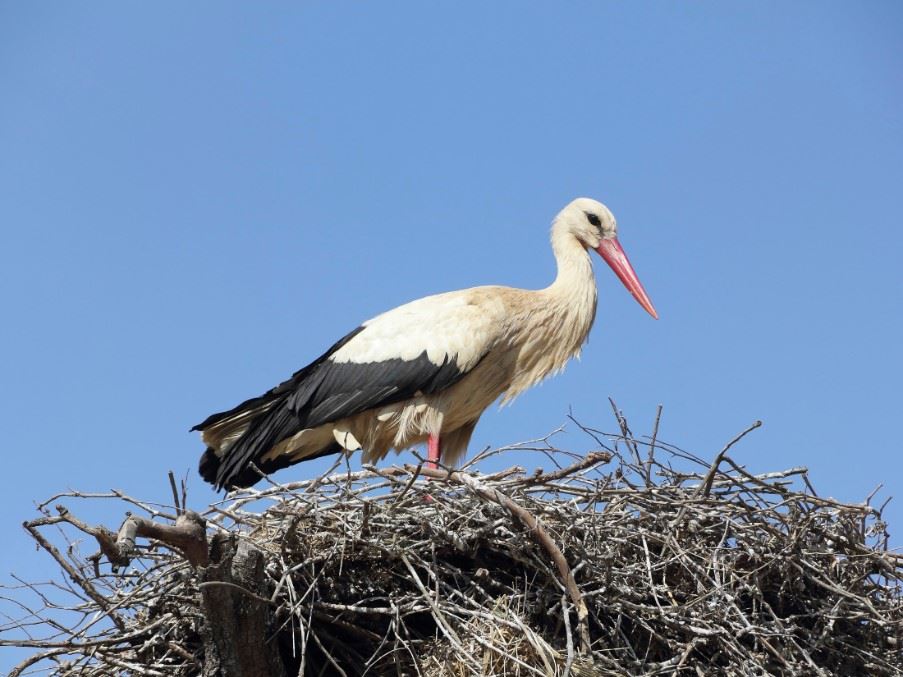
(594,226)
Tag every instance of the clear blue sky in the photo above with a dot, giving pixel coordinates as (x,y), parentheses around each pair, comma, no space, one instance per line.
(197,198)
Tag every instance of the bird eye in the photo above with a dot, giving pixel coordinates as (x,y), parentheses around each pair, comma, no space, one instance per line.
(593,219)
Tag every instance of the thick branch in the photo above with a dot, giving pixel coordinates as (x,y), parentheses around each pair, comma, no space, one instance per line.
(188,535)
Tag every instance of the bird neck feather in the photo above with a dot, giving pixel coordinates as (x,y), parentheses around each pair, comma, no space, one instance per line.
(574,288)
(558,320)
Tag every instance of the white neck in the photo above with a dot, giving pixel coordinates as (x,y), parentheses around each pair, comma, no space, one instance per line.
(560,318)
(575,284)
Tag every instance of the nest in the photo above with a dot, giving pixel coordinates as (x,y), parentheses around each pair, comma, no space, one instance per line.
(634,559)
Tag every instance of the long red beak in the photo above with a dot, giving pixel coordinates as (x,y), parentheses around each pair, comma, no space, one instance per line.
(614,255)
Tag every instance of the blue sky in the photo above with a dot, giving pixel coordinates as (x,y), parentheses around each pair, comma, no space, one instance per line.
(197,198)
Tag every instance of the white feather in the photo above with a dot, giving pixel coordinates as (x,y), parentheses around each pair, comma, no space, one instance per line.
(459,325)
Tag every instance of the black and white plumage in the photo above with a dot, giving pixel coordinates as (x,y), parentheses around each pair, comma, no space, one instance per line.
(426,370)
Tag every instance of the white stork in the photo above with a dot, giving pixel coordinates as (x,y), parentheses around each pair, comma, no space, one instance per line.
(425,371)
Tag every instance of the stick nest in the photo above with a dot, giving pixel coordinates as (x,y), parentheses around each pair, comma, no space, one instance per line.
(635,559)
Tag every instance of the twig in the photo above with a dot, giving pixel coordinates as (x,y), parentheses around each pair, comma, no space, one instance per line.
(175,493)
(706,485)
(650,457)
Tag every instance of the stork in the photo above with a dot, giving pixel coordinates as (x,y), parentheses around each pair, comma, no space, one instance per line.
(424,371)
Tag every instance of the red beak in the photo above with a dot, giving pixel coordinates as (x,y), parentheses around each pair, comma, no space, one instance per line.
(610,250)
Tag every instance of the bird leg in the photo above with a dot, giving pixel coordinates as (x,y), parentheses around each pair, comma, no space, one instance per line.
(433,452)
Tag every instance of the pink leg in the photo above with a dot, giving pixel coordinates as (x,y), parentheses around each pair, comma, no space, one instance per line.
(433,452)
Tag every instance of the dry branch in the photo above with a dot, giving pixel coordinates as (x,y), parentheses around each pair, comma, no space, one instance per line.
(652,563)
